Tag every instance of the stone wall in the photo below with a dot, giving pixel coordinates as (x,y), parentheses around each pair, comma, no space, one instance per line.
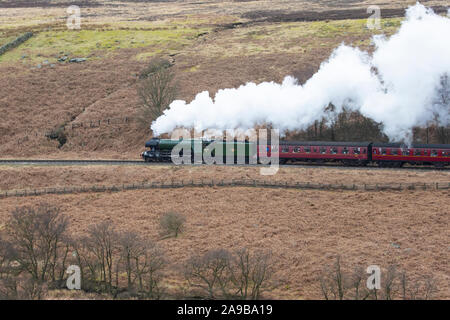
(13,44)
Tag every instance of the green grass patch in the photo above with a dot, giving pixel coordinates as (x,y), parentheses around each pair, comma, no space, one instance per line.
(5,39)
(81,43)
(294,37)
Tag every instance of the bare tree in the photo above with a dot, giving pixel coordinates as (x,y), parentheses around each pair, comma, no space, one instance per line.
(9,271)
(156,90)
(357,282)
(442,114)
(102,241)
(336,284)
(418,289)
(149,271)
(7,258)
(209,272)
(143,261)
(38,235)
(250,272)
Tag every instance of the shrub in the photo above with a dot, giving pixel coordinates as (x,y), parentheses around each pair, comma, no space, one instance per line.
(58,134)
(172,223)
(154,66)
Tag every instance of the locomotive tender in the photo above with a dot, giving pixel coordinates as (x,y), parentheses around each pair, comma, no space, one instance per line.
(349,153)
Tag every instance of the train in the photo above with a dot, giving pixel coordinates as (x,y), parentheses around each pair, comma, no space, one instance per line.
(393,155)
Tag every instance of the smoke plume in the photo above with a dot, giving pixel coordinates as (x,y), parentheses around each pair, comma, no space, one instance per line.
(398,85)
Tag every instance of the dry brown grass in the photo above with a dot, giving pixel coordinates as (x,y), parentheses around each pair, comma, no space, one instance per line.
(304,229)
(29,177)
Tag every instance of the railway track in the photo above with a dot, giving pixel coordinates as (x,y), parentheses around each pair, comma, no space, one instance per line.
(78,162)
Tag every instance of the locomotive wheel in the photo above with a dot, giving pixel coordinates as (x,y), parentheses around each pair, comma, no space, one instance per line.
(439,164)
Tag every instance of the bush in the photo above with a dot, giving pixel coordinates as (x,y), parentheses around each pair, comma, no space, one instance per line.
(58,134)
(154,66)
(172,223)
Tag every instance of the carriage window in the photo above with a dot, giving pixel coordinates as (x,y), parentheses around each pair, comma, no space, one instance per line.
(345,150)
(297,149)
(434,153)
(364,151)
(417,152)
(334,150)
(405,152)
(446,153)
(285,149)
(307,149)
(356,150)
(323,150)
(384,152)
(396,152)
(315,149)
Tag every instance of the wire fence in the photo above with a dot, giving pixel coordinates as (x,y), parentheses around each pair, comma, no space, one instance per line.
(224,183)
(43,133)
(99,123)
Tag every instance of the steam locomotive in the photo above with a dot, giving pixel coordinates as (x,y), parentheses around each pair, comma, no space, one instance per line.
(349,153)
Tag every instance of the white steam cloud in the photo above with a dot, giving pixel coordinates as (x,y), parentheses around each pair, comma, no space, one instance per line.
(396,85)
